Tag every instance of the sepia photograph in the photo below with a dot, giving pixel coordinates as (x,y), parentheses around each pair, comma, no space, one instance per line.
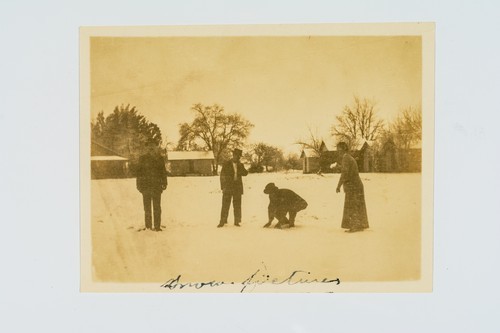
(266,158)
(249,166)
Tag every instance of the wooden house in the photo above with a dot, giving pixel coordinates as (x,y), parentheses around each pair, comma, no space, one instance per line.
(104,163)
(190,163)
(364,156)
(388,157)
(329,157)
(310,161)
(394,159)
(411,158)
(313,162)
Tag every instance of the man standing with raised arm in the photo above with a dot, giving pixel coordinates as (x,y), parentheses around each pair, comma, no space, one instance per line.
(232,188)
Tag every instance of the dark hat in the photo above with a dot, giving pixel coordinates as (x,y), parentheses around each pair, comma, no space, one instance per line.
(270,188)
(238,152)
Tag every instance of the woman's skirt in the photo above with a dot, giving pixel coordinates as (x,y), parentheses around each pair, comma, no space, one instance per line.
(355,216)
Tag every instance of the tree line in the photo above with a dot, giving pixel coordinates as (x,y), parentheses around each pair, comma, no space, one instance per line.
(126,132)
(359,122)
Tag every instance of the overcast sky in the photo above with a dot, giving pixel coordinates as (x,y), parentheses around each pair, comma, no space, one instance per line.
(281,84)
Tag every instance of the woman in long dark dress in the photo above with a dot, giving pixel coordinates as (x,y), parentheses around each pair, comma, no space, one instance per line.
(355,217)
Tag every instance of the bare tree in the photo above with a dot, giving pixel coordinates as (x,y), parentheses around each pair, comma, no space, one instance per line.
(407,128)
(213,129)
(313,141)
(358,122)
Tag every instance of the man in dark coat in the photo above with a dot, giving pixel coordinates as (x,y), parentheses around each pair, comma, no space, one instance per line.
(355,218)
(281,202)
(151,182)
(232,188)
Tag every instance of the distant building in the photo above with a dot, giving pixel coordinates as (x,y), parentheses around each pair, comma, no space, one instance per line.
(411,158)
(388,157)
(394,159)
(364,156)
(105,163)
(312,162)
(362,153)
(329,157)
(190,163)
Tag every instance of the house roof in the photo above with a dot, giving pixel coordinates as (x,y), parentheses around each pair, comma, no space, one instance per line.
(308,153)
(416,145)
(360,145)
(108,158)
(323,146)
(97,149)
(190,155)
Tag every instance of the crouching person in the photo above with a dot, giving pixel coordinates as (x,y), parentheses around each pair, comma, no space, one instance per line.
(283,202)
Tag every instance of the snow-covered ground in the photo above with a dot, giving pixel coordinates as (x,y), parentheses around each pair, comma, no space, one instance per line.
(191,245)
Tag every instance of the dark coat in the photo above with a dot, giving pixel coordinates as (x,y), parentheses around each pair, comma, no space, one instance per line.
(151,173)
(350,175)
(227,182)
(355,216)
(284,200)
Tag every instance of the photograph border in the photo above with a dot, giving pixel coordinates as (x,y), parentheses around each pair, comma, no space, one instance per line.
(427,33)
